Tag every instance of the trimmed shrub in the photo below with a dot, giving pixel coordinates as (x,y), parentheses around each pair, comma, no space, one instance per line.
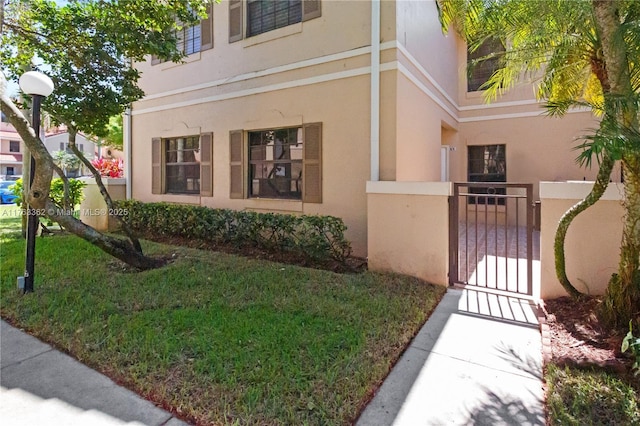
(319,238)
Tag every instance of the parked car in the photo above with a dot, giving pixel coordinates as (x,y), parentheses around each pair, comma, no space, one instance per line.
(6,195)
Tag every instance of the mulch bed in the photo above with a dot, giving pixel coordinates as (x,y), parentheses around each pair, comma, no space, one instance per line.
(577,338)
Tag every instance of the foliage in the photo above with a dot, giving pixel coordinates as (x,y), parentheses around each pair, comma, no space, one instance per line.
(88,48)
(633,343)
(221,339)
(315,237)
(578,397)
(622,302)
(113,168)
(65,160)
(114,135)
(56,193)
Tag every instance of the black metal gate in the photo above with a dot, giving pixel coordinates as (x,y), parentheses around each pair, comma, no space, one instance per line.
(491,237)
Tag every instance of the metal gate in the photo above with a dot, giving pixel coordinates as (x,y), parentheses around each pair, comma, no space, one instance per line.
(491,237)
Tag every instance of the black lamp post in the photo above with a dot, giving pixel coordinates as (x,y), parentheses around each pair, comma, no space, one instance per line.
(38,86)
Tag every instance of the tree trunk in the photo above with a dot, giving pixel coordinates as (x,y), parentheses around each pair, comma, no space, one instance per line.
(600,185)
(622,298)
(103,191)
(38,195)
(116,247)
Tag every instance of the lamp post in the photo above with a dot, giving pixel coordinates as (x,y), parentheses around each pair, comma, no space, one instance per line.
(38,86)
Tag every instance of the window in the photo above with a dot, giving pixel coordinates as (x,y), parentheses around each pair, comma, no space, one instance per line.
(81,147)
(182,165)
(267,15)
(14,146)
(487,163)
(275,163)
(280,163)
(61,146)
(481,64)
(189,39)
(10,171)
(194,39)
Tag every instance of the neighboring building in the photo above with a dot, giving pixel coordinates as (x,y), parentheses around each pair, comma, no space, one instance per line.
(289,106)
(11,150)
(58,140)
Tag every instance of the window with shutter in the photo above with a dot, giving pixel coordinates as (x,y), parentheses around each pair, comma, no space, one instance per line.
(283,163)
(266,15)
(193,39)
(236,163)
(181,165)
(206,164)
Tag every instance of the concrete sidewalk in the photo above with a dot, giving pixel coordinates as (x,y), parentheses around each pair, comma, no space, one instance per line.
(40,385)
(477,361)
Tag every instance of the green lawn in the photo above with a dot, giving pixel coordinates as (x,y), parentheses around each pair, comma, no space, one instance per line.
(587,397)
(219,339)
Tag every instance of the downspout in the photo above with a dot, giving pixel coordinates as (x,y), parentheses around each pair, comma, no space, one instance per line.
(375,90)
(126,134)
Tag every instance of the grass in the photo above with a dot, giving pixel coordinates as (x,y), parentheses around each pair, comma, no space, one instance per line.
(216,338)
(582,397)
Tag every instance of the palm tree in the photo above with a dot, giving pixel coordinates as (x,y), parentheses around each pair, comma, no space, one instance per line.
(582,52)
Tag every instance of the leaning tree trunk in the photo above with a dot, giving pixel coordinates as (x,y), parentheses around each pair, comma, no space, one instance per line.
(38,195)
(599,186)
(622,298)
(103,191)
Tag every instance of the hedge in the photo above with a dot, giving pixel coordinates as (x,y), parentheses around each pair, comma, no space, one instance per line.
(319,238)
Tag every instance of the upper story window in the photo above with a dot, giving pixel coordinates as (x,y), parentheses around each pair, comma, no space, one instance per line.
(189,39)
(14,146)
(266,15)
(481,64)
(194,39)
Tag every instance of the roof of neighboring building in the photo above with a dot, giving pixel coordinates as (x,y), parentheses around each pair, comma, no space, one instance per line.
(11,158)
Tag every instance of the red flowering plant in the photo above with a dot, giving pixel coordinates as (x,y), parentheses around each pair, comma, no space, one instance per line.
(112,168)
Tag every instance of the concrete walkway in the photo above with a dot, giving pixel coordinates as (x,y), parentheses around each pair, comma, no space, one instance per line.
(42,386)
(477,361)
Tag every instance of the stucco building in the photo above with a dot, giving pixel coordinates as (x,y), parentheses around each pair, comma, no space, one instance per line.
(294,106)
(11,150)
